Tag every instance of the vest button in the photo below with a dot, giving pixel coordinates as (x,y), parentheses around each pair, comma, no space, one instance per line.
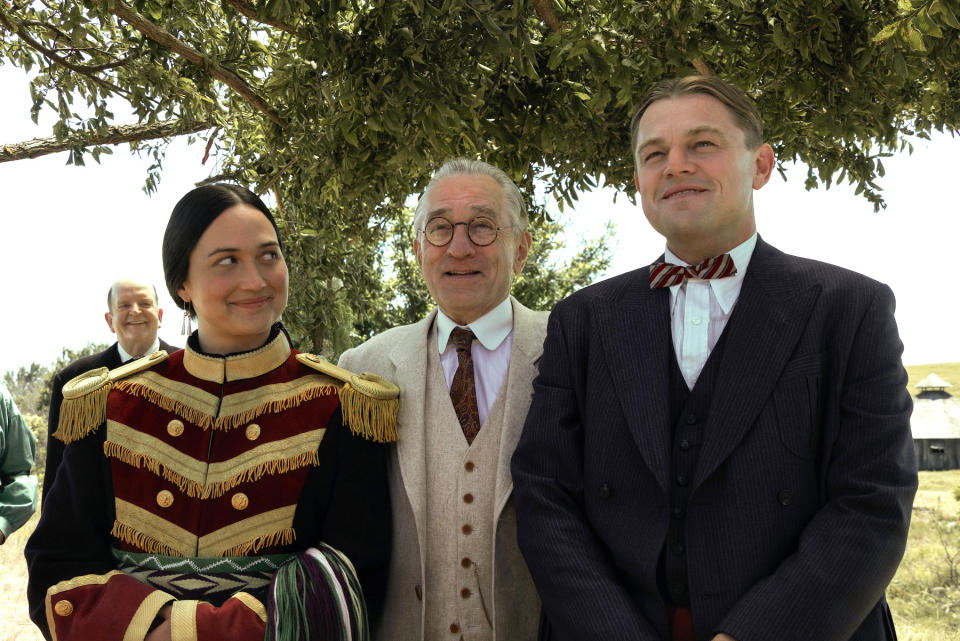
(253,432)
(785,497)
(684,445)
(467,529)
(468,466)
(691,419)
(468,498)
(681,480)
(239,501)
(465,562)
(454,628)
(677,512)
(164,498)
(63,608)
(175,428)
(678,549)
(418,591)
(465,593)
(605,491)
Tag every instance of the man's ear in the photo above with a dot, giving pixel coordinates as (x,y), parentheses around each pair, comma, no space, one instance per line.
(416,251)
(763,161)
(159,315)
(109,318)
(523,250)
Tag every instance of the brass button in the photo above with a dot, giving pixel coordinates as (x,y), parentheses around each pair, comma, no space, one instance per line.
(467,529)
(175,428)
(253,432)
(454,628)
(239,501)
(465,593)
(468,498)
(164,498)
(468,466)
(63,608)
(465,562)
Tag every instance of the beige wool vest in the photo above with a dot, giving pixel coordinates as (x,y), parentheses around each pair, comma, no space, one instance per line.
(461,479)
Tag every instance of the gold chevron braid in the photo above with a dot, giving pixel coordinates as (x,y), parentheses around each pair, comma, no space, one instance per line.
(369,402)
(195,489)
(84,406)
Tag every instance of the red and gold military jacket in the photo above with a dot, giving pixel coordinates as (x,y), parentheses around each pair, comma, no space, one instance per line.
(199,457)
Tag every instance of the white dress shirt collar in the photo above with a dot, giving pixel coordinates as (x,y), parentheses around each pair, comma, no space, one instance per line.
(490,329)
(124,356)
(725,289)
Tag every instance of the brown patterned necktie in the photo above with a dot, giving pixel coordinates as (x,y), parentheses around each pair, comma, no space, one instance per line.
(668,274)
(463,389)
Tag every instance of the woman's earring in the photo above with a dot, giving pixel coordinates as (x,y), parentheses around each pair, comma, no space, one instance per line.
(186,327)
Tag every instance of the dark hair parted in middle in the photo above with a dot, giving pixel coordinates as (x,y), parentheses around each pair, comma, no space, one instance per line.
(190,218)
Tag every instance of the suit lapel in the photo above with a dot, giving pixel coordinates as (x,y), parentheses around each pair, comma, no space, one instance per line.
(409,358)
(636,341)
(770,315)
(527,348)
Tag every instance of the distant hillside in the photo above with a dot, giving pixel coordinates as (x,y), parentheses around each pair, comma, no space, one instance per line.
(949,372)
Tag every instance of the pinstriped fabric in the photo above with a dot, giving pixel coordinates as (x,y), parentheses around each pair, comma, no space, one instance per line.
(668,274)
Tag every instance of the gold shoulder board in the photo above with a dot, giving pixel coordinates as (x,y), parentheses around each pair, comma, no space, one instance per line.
(84,406)
(369,402)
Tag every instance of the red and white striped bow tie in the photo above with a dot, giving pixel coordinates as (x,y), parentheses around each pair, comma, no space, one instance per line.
(668,274)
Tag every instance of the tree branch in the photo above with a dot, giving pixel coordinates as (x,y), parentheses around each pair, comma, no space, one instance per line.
(702,68)
(546,12)
(249,9)
(90,72)
(165,39)
(114,136)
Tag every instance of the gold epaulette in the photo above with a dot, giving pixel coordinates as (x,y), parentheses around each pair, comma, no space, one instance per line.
(369,403)
(84,406)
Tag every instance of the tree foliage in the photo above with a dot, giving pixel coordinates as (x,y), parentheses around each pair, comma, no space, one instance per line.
(342,108)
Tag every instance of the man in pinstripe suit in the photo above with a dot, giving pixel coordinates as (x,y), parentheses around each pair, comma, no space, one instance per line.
(718,448)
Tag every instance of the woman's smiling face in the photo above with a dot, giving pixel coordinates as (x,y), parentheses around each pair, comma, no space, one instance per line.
(237,281)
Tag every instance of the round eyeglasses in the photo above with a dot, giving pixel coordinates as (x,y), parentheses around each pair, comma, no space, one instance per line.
(480,231)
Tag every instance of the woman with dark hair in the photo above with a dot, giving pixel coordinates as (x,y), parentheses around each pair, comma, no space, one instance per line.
(235,489)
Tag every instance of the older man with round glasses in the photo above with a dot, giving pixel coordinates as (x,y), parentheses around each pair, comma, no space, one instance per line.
(465,373)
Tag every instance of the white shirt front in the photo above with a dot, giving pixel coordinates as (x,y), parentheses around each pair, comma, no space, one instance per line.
(700,309)
(491,352)
(124,356)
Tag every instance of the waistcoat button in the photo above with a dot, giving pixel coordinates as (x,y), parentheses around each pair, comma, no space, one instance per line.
(418,591)
(465,562)
(253,432)
(465,593)
(164,498)
(468,498)
(454,628)
(785,497)
(467,529)
(605,491)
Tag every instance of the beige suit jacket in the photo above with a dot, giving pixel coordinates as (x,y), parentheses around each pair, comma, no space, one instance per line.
(400,355)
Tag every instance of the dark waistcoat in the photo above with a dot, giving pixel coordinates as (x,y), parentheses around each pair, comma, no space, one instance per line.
(688,414)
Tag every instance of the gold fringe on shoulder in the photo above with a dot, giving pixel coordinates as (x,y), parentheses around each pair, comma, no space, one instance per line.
(145,542)
(373,419)
(370,403)
(286,536)
(194,489)
(82,415)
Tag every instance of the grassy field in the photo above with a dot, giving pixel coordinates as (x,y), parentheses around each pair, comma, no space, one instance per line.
(924,595)
(949,372)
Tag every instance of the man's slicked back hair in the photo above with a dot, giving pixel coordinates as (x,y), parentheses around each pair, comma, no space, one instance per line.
(741,107)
